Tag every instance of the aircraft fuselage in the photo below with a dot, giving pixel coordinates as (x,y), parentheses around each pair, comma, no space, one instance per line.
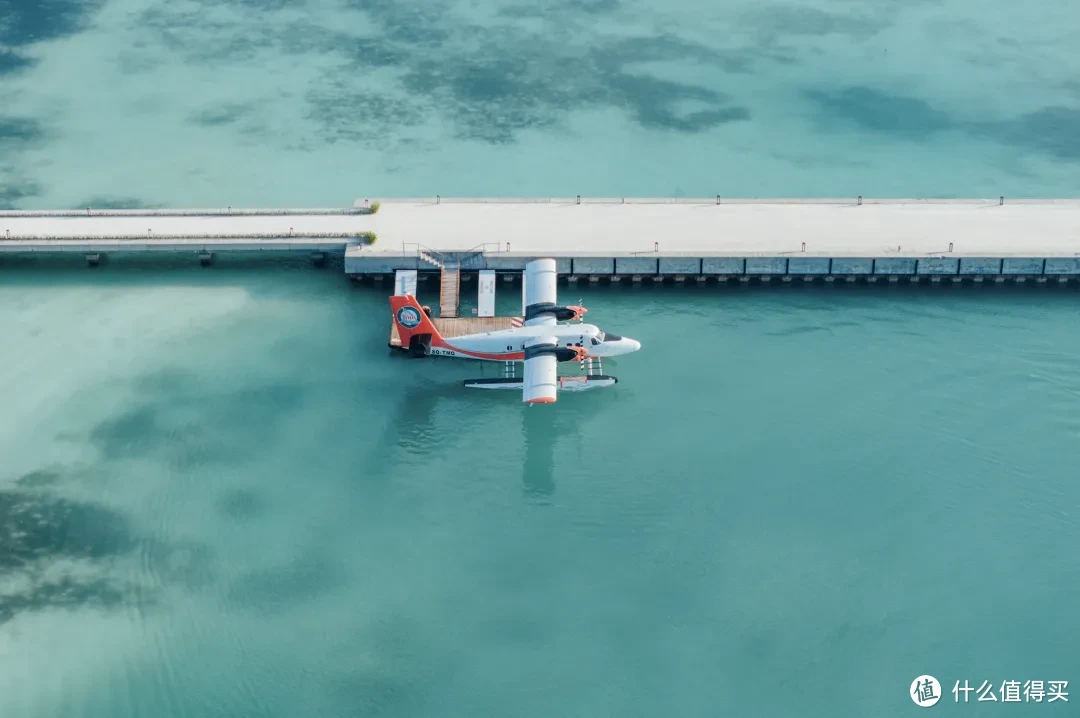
(509,344)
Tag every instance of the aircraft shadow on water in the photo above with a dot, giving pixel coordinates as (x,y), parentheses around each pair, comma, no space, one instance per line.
(434,418)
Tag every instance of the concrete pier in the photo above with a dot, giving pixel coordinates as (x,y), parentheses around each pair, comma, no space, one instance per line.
(851,240)
(317,232)
(654,239)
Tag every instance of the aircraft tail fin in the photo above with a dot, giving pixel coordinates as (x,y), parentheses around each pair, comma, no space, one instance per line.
(413,321)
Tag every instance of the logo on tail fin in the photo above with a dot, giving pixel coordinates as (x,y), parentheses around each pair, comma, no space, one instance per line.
(408,317)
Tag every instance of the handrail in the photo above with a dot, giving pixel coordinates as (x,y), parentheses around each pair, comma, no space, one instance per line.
(482,248)
(420,248)
(463,259)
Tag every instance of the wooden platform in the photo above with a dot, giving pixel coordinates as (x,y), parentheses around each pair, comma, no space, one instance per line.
(460,326)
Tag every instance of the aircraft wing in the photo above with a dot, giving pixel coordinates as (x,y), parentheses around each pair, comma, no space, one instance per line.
(540,290)
(541,378)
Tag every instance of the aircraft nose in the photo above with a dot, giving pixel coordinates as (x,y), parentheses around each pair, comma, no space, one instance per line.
(625,345)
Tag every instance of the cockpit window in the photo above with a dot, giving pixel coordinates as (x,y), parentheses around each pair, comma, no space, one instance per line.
(595,341)
(599,337)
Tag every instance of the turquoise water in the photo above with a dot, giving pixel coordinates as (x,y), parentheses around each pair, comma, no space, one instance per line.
(221,496)
(319,102)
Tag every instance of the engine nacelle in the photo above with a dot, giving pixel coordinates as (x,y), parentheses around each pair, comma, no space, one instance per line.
(562,354)
(561,314)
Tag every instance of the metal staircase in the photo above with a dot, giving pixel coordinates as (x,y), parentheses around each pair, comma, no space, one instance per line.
(450,264)
(429,258)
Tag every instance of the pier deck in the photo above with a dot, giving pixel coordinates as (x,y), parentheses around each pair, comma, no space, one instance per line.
(319,230)
(736,238)
(828,228)
(590,237)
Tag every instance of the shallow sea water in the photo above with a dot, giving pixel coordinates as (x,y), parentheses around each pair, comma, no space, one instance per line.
(320,102)
(222,497)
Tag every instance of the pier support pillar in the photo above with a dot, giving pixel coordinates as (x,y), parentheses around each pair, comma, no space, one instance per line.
(999,280)
(593,279)
(956,280)
(636,279)
(978,280)
(318,259)
(1063,280)
(507,278)
(1041,280)
(894,279)
(849,280)
(786,279)
(680,278)
(830,279)
(93,259)
(205,258)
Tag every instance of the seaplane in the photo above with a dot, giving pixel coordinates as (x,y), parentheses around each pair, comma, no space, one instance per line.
(547,335)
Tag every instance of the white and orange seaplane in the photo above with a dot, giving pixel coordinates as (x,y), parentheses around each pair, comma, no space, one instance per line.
(548,334)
